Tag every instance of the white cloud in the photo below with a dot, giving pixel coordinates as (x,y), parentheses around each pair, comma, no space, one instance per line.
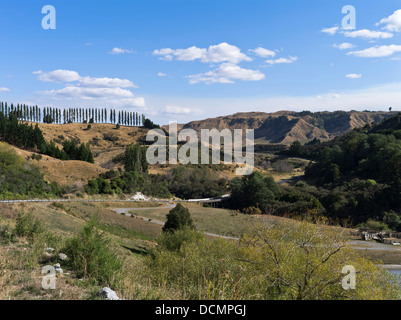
(128,103)
(165,54)
(111,91)
(73,76)
(282,60)
(106,82)
(74,92)
(368,34)
(263,53)
(331,31)
(190,54)
(222,52)
(174,109)
(344,46)
(354,76)
(3,89)
(120,51)
(377,52)
(161,74)
(58,76)
(227,73)
(393,22)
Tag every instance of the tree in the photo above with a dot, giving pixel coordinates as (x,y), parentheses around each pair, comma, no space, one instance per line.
(254,191)
(178,218)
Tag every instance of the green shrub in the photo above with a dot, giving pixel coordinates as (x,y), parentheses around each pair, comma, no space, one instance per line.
(7,234)
(174,241)
(178,218)
(374,225)
(27,226)
(91,255)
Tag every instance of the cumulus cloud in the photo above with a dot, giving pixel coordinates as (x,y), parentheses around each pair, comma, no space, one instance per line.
(120,51)
(90,93)
(330,31)
(393,22)
(368,34)
(377,51)
(58,76)
(263,53)
(344,46)
(161,74)
(354,76)
(106,82)
(227,73)
(3,89)
(222,52)
(282,60)
(114,91)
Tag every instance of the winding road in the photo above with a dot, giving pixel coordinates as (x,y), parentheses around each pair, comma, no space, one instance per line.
(356,244)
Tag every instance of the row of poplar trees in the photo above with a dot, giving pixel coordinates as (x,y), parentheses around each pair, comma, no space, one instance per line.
(72,115)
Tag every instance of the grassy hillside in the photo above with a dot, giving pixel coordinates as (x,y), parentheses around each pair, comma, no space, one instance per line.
(207,269)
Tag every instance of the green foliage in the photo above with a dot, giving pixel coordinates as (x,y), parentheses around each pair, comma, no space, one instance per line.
(75,152)
(373,225)
(27,226)
(173,241)
(195,183)
(148,124)
(19,178)
(361,172)
(115,182)
(282,261)
(393,220)
(7,234)
(254,190)
(91,255)
(135,159)
(178,218)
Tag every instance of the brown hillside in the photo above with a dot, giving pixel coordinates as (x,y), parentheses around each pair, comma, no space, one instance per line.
(105,140)
(284,127)
(65,173)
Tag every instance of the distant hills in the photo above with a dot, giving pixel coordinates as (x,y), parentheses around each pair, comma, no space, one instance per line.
(285,127)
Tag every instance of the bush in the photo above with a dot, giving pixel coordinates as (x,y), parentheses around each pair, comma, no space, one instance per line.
(199,269)
(178,218)
(252,210)
(7,234)
(27,226)
(374,225)
(174,241)
(91,255)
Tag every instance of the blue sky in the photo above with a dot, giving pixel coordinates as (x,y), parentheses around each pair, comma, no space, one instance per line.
(182,60)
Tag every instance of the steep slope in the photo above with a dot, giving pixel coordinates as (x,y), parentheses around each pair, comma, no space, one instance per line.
(284,127)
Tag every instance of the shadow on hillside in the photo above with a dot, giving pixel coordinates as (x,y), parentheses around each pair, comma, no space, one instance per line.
(141,251)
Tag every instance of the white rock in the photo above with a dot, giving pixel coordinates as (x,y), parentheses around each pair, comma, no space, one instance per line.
(140,197)
(108,294)
(62,256)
